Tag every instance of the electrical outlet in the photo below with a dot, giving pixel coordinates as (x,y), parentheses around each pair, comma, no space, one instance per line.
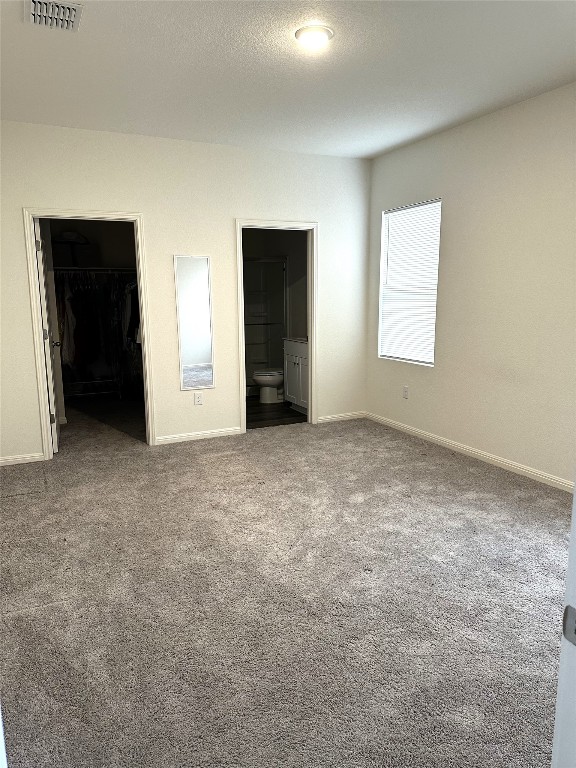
(405,392)
(198,398)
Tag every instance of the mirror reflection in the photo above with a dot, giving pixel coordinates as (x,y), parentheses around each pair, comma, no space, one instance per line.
(194,321)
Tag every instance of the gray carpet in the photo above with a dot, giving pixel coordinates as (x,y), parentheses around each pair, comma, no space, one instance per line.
(340,596)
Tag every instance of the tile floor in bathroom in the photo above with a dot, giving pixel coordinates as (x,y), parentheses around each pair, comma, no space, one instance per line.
(270,414)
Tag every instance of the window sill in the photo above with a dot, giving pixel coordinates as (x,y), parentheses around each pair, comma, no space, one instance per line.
(404,360)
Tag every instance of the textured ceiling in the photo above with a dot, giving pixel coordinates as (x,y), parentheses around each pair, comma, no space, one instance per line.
(231,72)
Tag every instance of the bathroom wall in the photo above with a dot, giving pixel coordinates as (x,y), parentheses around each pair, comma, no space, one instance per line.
(293,245)
(189,195)
(297,294)
(264,313)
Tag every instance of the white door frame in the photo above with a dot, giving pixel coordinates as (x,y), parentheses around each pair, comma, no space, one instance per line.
(48,324)
(564,746)
(34,268)
(312,228)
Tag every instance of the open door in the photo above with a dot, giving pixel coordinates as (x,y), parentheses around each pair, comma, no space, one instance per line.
(564,755)
(50,337)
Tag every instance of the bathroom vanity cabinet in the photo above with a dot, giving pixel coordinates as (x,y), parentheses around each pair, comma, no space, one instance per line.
(296,373)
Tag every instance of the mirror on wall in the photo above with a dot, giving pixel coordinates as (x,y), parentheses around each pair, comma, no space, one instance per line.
(192,275)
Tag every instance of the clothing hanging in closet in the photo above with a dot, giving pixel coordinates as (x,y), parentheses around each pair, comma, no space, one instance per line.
(99,323)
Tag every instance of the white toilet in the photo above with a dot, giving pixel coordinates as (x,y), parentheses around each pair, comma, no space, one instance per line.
(268,379)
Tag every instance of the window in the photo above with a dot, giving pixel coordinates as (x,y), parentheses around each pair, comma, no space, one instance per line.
(408,282)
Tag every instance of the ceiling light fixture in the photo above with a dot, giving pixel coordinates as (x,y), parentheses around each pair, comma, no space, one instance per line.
(314,37)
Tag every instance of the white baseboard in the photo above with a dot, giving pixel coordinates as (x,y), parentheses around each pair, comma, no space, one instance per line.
(24,459)
(342,417)
(197,435)
(512,466)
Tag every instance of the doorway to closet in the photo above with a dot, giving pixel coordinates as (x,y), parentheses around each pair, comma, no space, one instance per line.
(275,279)
(90,311)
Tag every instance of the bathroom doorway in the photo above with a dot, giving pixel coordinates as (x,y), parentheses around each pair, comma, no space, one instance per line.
(275,275)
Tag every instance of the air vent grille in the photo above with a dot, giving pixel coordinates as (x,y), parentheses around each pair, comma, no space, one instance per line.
(55,15)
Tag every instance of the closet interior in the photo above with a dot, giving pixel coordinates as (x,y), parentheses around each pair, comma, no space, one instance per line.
(94,312)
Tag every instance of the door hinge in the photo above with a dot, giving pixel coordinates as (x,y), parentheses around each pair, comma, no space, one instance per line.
(38,245)
(52,419)
(569,624)
(45,334)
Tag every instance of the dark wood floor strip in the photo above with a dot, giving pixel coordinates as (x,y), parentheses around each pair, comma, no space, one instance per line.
(271,414)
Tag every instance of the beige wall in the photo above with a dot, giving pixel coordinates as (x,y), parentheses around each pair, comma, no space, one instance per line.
(189,195)
(504,380)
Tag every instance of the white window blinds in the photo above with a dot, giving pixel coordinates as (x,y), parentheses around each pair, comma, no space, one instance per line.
(409,255)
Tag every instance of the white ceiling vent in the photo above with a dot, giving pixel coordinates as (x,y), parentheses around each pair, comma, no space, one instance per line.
(55,15)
